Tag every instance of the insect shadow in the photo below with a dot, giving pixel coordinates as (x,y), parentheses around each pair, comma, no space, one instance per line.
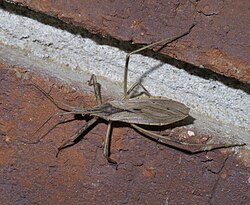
(135,110)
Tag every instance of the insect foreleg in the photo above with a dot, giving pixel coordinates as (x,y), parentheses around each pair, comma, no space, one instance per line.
(97,89)
(106,148)
(72,140)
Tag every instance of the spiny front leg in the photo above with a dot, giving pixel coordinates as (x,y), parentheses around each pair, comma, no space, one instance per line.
(97,89)
(106,148)
(72,140)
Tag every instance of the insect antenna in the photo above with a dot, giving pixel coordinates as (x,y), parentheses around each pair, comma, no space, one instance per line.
(41,137)
(67,108)
(63,106)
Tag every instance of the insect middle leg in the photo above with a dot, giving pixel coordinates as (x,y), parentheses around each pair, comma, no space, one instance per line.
(106,147)
(138,84)
(72,140)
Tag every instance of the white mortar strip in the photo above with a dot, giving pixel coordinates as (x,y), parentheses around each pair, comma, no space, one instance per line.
(209,98)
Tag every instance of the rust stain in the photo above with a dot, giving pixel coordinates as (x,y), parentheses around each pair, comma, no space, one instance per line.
(6,156)
(136,24)
(148,172)
(244,157)
(225,174)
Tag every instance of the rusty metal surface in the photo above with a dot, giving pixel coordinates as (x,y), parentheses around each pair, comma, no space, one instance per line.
(147,172)
(219,41)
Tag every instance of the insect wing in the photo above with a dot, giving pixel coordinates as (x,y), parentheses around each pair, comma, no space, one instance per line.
(149,111)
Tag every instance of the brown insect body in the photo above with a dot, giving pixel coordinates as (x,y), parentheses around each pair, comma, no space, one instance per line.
(143,110)
(149,110)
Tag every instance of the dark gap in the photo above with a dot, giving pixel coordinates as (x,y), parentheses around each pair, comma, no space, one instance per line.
(125,46)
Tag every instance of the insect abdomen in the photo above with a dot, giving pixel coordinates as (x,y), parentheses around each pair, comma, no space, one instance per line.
(150,111)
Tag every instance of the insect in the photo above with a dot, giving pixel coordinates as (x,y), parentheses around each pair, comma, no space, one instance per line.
(142,110)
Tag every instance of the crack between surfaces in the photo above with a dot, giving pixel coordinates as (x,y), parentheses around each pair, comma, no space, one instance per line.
(210,202)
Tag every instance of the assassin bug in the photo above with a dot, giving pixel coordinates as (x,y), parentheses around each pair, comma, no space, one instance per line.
(148,110)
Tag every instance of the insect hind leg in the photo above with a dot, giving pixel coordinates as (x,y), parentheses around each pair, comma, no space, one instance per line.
(164,41)
(188,147)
